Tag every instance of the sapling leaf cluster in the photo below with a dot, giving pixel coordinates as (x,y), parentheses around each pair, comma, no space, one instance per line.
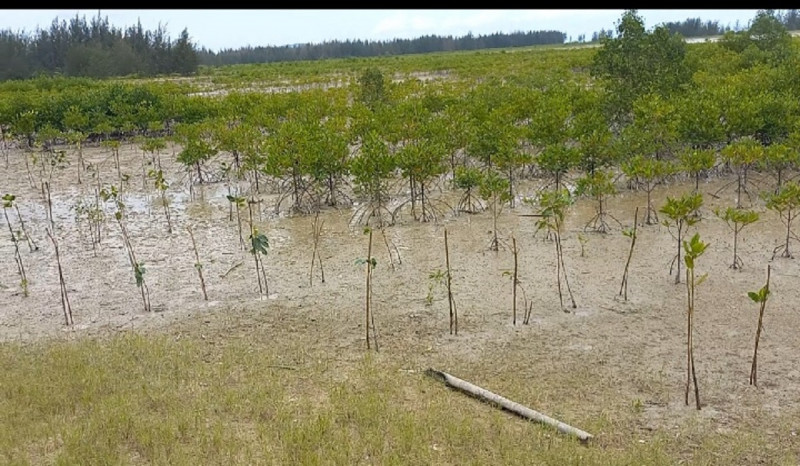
(681,213)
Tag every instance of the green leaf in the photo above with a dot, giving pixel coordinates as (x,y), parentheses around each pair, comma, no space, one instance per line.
(701,279)
(259,243)
(138,273)
(754,296)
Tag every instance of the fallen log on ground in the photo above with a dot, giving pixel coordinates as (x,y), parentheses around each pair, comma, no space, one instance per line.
(505,403)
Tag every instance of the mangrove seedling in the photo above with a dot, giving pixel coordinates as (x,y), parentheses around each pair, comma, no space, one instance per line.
(112,194)
(76,138)
(370,264)
(372,170)
(468,179)
(389,246)
(781,158)
(696,162)
(515,283)
(451,301)
(259,244)
(552,207)
(736,219)
(239,202)
(64,297)
(8,199)
(694,248)
(681,214)
(114,145)
(198,265)
(785,202)
(316,232)
(759,297)
(741,156)
(494,189)
(94,215)
(647,173)
(582,239)
(598,185)
(161,184)
(630,233)
(435,280)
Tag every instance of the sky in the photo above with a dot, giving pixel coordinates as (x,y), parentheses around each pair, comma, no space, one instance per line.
(234,28)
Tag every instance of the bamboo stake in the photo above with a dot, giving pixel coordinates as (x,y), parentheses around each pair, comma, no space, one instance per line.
(516,408)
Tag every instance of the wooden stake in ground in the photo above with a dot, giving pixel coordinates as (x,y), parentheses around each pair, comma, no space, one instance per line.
(197,264)
(761,298)
(505,403)
(452,303)
(64,297)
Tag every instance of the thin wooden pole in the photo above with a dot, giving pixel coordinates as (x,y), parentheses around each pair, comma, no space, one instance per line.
(516,408)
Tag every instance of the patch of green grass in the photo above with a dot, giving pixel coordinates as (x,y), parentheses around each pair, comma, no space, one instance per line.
(251,399)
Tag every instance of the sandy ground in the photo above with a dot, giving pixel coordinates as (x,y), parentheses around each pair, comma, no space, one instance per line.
(642,339)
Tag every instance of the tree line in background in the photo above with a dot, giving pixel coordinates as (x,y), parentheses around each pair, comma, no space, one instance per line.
(369,48)
(94,49)
(97,50)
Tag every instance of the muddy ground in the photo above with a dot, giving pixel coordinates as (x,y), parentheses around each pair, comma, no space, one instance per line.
(636,342)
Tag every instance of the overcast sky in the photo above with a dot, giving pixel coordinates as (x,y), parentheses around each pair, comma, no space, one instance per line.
(220,29)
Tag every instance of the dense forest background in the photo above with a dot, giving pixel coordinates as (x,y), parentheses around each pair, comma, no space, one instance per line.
(93,48)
